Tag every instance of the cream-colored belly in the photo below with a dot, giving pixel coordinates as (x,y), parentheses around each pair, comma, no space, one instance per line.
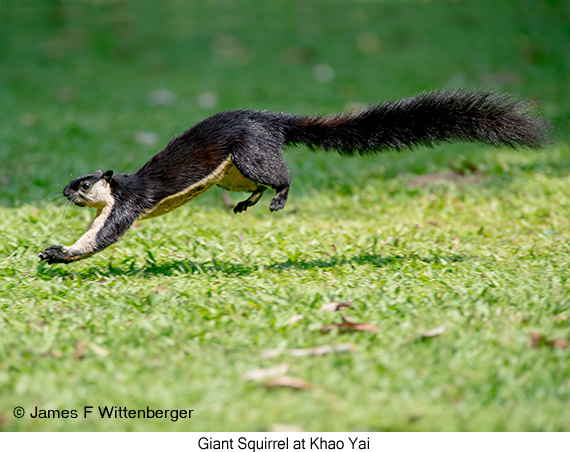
(226,176)
(236,181)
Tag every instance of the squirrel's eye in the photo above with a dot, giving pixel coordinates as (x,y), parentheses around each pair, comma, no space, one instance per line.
(86,185)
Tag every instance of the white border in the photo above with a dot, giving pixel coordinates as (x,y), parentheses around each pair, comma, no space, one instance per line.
(189,442)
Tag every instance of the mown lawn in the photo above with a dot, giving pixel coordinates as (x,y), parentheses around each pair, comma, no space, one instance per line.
(455,259)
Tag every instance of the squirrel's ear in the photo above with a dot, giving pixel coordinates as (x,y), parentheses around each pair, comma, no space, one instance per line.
(108,175)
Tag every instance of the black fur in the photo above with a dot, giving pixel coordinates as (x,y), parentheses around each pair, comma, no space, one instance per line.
(255,139)
(426,119)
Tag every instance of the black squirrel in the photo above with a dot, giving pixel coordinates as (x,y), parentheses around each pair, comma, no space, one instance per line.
(242,151)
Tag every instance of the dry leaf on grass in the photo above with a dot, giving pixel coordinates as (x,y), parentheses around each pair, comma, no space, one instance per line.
(348,325)
(538,340)
(273,377)
(294,319)
(535,338)
(286,381)
(272,353)
(559,343)
(266,372)
(79,351)
(337,306)
(312,351)
(98,350)
(434,332)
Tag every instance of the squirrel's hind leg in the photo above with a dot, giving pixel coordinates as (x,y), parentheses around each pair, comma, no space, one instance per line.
(251,201)
(265,168)
(280,199)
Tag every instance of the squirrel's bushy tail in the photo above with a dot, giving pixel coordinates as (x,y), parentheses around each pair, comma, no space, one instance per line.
(426,119)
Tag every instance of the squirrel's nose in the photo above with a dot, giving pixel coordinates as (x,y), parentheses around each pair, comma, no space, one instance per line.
(67,192)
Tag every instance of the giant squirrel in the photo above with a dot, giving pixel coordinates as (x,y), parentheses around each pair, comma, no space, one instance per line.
(242,151)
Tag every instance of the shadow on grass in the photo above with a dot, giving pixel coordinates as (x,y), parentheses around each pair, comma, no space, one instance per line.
(153,269)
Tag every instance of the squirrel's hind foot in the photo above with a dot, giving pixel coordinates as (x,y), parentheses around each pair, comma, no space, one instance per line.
(280,199)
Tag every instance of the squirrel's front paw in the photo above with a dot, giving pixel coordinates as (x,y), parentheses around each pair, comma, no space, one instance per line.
(53,255)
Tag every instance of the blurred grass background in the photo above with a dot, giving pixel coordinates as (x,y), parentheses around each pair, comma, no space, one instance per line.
(89,84)
(463,236)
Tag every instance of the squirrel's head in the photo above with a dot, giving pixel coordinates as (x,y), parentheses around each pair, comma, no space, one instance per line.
(93,190)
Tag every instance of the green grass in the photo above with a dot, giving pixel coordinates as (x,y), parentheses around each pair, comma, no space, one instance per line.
(185,304)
